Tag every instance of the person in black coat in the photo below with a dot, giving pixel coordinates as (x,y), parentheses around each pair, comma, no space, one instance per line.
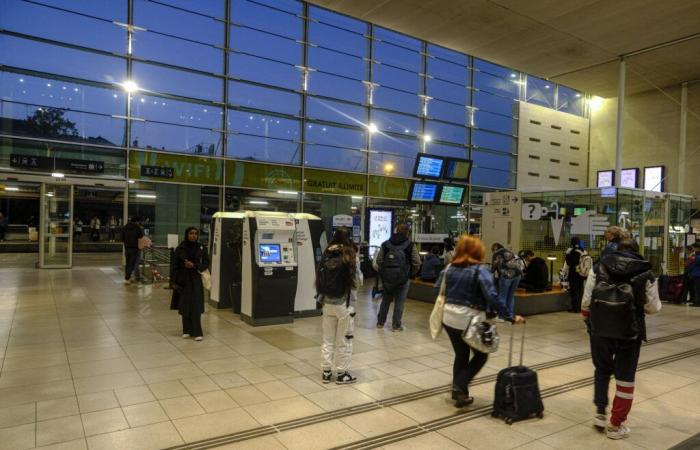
(536,278)
(191,258)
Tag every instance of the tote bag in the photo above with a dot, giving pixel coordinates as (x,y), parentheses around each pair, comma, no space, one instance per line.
(439,309)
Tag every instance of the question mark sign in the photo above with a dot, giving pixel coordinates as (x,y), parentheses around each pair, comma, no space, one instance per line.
(532,210)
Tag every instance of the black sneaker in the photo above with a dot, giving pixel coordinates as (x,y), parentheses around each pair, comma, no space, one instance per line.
(380,325)
(398,329)
(345,378)
(326,377)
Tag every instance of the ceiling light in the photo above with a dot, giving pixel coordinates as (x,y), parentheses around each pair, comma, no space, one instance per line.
(578,95)
(146,196)
(130,86)
(287,192)
(11,188)
(58,175)
(357,197)
(132,181)
(595,102)
(513,75)
(21,80)
(372,128)
(258,202)
(427,138)
(388,167)
(49,194)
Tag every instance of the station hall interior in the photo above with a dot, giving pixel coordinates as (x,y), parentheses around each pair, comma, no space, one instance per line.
(268,125)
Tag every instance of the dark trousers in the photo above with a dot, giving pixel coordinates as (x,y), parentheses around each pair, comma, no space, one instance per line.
(192,324)
(696,290)
(576,285)
(464,369)
(398,296)
(132,256)
(616,357)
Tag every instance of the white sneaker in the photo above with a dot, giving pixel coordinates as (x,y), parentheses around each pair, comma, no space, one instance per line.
(498,320)
(185,336)
(620,432)
(199,338)
(600,421)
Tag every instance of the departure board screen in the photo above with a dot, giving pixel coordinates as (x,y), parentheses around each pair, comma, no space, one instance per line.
(458,169)
(452,195)
(429,166)
(423,192)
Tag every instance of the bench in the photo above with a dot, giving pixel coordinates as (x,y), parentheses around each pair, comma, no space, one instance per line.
(526,303)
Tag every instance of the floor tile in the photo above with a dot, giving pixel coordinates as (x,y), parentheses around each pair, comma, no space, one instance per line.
(145,414)
(276,390)
(59,430)
(380,421)
(339,398)
(179,407)
(17,437)
(215,401)
(261,443)
(17,415)
(150,437)
(214,424)
(107,382)
(196,385)
(52,409)
(585,438)
(319,436)
(247,395)
(429,441)
(134,395)
(168,389)
(97,401)
(105,421)
(283,410)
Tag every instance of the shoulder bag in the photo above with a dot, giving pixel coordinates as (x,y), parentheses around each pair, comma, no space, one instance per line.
(480,334)
(439,308)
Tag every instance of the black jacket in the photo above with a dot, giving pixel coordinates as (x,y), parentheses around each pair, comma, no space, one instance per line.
(536,274)
(131,233)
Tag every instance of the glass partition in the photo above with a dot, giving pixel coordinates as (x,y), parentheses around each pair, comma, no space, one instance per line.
(55,232)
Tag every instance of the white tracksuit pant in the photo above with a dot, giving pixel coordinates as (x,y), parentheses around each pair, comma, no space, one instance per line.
(338,329)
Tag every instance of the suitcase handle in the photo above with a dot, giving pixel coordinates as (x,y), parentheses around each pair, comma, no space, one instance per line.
(522,345)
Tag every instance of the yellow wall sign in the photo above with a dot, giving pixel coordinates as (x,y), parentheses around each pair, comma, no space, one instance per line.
(389,187)
(263,176)
(327,182)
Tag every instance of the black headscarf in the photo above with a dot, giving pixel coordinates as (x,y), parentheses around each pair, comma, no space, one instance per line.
(191,247)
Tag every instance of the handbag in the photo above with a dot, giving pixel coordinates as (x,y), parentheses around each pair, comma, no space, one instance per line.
(206,279)
(480,334)
(436,315)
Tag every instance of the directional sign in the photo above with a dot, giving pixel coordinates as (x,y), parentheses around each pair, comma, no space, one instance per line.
(589,223)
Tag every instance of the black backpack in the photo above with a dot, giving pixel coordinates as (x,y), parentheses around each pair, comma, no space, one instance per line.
(396,268)
(614,309)
(332,275)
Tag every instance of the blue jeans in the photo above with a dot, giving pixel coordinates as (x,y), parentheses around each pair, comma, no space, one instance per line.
(398,296)
(506,291)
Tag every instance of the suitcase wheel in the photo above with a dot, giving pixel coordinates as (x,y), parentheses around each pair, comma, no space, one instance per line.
(540,415)
(509,420)
(494,414)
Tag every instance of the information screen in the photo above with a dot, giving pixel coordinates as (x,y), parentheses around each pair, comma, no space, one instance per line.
(458,169)
(270,253)
(579,211)
(654,178)
(628,178)
(380,227)
(452,195)
(423,192)
(606,178)
(429,166)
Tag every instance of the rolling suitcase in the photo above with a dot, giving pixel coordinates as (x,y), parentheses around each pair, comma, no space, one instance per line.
(517,396)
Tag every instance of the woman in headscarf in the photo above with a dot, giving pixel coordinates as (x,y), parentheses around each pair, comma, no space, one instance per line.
(191,258)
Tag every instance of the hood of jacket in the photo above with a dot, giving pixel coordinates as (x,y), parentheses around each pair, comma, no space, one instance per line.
(504,252)
(625,264)
(398,238)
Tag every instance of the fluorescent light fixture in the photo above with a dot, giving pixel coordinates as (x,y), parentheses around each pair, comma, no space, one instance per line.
(146,196)
(357,197)
(258,202)
(132,181)
(372,128)
(595,102)
(513,75)
(58,175)
(11,188)
(551,258)
(287,192)
(427,138)
(49,194)
(130,86)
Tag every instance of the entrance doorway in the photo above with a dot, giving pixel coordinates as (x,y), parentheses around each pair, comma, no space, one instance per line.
(19,221)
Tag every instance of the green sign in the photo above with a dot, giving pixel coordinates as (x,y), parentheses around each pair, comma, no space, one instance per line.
(389,187)
(340,183)
(185,168)
(263,176)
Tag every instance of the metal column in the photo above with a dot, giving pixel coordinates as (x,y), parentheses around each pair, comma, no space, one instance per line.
(683,138)
(619,141)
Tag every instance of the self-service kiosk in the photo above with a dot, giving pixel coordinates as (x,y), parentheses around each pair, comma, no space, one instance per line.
(260,261)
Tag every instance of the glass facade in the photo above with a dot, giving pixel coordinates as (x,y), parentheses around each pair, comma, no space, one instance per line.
(281,82)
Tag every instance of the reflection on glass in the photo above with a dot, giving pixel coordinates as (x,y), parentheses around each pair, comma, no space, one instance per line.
(161,136)
(56,226)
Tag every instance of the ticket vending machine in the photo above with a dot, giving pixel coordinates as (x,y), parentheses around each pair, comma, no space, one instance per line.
(270,269)
(311,241)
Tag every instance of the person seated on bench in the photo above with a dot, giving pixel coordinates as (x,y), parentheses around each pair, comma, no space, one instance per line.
(431,265)
(536,278)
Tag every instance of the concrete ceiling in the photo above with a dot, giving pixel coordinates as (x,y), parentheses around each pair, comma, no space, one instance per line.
(573,42)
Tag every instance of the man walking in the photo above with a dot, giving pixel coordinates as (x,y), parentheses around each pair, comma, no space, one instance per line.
(618,293)
(131,234)
(396,261)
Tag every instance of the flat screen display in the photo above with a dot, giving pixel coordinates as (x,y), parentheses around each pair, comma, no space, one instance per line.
(452,195)
(423,192)
(270,253)
(628,178)
(380,227)
(428,166)
(654,178)
(457,169)
(579,211)
(606,178)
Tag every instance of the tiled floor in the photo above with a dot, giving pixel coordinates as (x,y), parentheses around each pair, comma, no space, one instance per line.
(90,363)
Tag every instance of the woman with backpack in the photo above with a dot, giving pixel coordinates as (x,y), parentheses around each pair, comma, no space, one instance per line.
(191,259)
(508,269)
(337,278)
(577,265)
(469,289)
